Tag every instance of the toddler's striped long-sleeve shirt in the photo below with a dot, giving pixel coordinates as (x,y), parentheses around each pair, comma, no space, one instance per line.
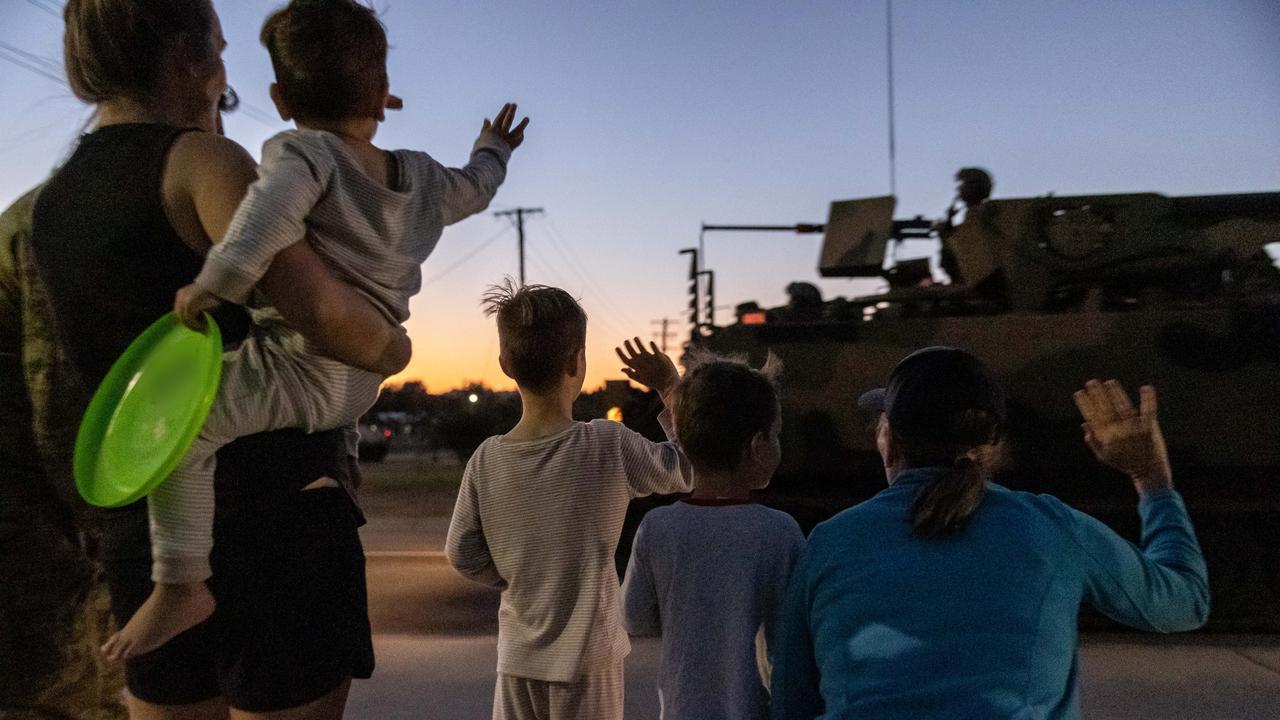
(310,186)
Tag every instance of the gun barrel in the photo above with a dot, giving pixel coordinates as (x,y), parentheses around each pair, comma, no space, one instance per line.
(797,228)
(913,229)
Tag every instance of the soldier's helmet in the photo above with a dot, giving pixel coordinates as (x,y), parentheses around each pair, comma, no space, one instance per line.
(974,185)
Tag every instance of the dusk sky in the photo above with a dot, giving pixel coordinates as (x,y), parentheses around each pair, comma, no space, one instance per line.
(648,118)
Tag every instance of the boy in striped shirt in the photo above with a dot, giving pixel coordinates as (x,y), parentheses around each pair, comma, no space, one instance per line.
(372,215)
(540,510)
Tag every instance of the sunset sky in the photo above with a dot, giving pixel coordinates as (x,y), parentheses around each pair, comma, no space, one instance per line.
(649,118)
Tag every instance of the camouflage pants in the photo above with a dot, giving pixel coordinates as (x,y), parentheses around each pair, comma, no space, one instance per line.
(50,666)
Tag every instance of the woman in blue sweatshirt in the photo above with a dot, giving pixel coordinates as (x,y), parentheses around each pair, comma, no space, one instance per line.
(947,596)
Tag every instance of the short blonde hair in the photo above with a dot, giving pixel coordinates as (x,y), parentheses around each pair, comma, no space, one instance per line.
(540,329)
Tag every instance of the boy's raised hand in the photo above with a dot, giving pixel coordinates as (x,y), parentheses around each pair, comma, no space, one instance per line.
(500,126)
(650,367)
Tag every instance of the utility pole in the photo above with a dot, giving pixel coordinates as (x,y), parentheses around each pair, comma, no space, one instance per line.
(665,333)
(518,214)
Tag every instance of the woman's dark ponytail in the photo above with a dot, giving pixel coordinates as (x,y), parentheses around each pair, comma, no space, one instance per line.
(944,503)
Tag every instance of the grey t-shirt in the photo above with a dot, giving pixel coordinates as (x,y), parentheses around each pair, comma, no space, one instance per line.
(708,578)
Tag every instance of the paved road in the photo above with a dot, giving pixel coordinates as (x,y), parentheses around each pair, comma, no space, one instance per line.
(436,655)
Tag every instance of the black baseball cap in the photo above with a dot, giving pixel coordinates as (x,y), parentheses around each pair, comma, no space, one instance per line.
(928,387)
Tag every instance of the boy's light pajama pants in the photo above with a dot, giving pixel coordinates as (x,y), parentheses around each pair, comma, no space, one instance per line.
(595,696)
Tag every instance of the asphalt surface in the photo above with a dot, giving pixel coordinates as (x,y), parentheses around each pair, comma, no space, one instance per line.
(436,646)
(435,637)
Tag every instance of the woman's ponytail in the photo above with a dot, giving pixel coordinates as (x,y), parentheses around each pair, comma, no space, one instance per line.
(945,502)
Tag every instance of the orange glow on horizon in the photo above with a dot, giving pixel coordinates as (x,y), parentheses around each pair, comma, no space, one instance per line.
(460,362)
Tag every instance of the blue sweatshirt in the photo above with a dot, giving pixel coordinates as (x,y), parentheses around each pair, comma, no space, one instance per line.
(879,623)
(708,577)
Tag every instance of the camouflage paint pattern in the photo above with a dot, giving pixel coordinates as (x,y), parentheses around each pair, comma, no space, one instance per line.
(54,610)
(1174,292)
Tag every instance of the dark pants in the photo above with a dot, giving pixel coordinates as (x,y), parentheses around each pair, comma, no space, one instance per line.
(288,574)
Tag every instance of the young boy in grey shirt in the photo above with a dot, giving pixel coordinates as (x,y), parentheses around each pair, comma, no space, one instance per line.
(709,573)
(540,510)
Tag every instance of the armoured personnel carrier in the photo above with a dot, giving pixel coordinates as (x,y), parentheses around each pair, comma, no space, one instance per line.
(1179,292)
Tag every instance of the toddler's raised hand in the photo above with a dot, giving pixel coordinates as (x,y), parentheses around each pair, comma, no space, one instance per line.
(650,367)
(501,128)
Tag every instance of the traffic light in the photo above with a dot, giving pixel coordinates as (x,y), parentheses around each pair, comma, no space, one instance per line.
(693,301)
(694,296)
(710,312)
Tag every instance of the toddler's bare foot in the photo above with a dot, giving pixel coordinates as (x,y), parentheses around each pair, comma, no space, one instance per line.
(169,610)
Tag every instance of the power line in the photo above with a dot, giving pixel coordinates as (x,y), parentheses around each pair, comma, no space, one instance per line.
(47,7)
(16,59)
(605,303)
(579,268)
(31,61)
(565,251)
(609,322)
(549,270)
(570,261)
(253,112)
(48,68)
(613,315)
(47,63)
(466,258)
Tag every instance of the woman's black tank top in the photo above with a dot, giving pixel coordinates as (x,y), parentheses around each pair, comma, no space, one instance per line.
(109,257)
(111,263)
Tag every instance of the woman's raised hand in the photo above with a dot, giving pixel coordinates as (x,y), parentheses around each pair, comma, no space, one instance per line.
(1125,438)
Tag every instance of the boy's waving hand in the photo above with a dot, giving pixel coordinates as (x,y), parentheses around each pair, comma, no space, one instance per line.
(650,367)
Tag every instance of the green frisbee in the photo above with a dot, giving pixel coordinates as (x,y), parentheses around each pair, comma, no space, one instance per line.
(147,412)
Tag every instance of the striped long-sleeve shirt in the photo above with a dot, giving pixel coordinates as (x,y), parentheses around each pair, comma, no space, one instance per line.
(541,519)
(309,185)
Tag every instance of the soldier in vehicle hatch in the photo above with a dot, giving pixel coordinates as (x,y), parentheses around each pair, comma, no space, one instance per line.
(966,256)
(973,187)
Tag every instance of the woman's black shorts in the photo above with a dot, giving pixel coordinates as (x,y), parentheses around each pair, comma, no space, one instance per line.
(292,618)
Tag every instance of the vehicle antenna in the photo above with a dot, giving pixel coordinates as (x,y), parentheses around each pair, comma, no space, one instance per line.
(893,170)
(892,153)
